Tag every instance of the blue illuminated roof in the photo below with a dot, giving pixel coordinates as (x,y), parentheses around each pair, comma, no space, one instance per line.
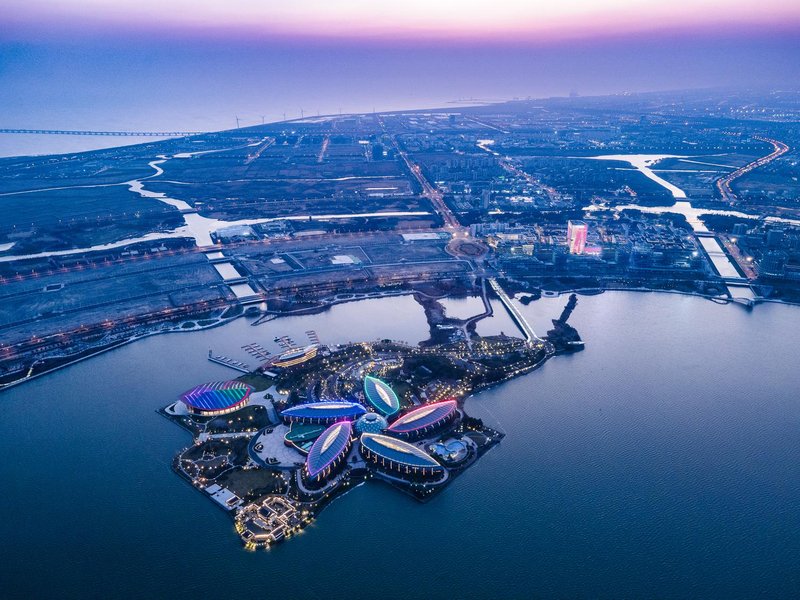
(397,451)
(329,446)
(371,423)
(424,416)
(325,410)
(217,395)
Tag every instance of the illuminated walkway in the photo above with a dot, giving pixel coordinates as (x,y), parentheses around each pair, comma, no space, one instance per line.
(519,320)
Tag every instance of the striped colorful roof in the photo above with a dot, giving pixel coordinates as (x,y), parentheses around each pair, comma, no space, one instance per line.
(381,396)
(217,395)
(333,442)
(424,416)
(397,451)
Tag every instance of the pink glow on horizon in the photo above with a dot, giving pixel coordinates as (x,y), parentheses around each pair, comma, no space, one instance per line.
(500,20)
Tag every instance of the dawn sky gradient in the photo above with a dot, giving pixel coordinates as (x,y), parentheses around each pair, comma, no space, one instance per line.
(198,64)
(465,19)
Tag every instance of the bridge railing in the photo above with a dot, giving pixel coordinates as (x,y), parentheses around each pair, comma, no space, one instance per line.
(527,330)
(108,133)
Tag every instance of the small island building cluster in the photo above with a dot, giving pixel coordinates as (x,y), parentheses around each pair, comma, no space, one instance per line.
(277,462)
(326,431)
(384,435)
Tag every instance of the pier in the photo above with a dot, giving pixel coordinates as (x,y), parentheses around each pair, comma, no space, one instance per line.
(229,362)
(516,316)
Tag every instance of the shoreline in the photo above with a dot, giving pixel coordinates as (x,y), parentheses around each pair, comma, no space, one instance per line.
(321,308)
(356,475)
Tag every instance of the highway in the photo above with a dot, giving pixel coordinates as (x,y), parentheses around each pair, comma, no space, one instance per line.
(431,192)
(724,185)
(485,124)
(121,328)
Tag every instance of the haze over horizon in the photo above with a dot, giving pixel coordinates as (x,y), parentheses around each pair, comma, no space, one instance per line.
(197,65)
(468,20)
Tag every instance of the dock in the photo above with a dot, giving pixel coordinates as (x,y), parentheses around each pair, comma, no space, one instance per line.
(229,362)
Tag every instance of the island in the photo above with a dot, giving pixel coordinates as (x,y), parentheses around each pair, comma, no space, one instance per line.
(275,446)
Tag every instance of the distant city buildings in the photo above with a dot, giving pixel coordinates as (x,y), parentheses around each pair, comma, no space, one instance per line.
(773,263)
(775,251)
(640,247)
(577,232)
(740,229)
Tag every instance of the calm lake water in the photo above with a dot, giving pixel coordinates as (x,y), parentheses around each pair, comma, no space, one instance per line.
(663,461)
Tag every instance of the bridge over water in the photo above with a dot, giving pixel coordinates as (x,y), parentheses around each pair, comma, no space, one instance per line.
(107,133)
(516,316)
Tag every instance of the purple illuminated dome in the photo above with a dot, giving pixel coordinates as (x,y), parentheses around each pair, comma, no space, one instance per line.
(329,451)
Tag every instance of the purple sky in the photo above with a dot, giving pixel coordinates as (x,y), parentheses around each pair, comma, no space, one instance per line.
(493,20)
(194,65)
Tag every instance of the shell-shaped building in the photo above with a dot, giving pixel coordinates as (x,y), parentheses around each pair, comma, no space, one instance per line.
(328,452)
(424,420)
(323,412)
(381,396)
(399,458)
(293,357)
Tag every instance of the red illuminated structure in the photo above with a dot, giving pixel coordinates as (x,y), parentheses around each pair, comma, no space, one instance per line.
(576,236)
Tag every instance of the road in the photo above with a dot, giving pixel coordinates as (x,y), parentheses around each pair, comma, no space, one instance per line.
(745,262)
(268,141)
(724,185)
(324,148)
(514,170)
(431,192)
